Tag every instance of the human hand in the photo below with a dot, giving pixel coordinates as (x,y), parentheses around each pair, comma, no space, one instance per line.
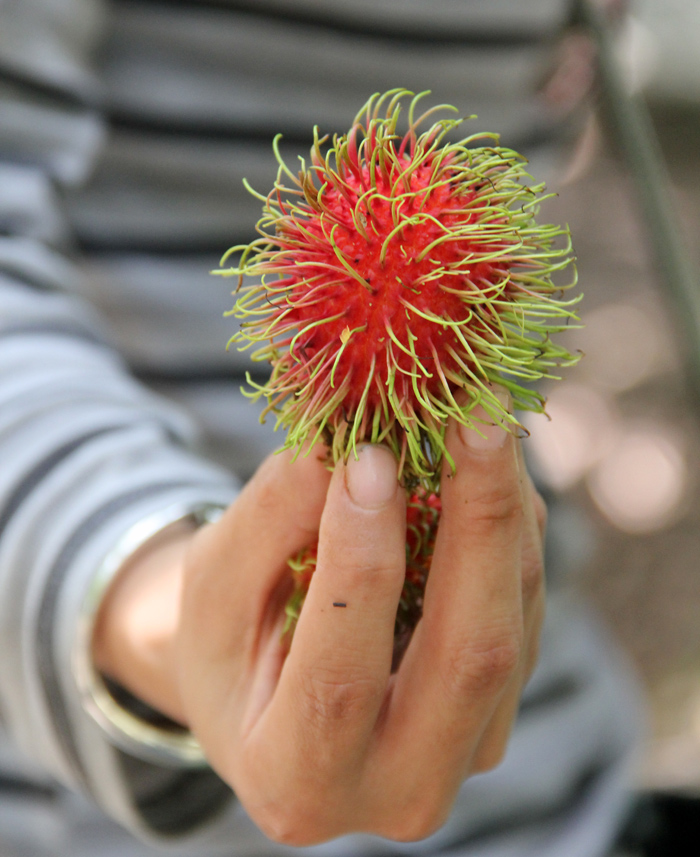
(323,740)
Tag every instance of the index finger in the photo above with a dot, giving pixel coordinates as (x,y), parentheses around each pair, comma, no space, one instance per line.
(468,642)
(340,659)
(334,681)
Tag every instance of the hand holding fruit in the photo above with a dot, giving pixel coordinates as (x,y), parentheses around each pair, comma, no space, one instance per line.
(323,739)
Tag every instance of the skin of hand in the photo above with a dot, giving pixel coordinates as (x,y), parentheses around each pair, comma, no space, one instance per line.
(320,739)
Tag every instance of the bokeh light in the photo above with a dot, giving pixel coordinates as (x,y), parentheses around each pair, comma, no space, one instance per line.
(579,431)
(635,471)
(641,481)
(625,345)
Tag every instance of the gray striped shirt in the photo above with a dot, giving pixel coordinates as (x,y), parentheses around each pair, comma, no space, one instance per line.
(126,128)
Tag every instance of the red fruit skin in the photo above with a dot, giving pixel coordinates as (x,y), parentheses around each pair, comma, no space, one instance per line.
(397,281)
(398,269)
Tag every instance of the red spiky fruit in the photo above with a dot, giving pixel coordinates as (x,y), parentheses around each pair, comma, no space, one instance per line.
(396,271)
(398,279)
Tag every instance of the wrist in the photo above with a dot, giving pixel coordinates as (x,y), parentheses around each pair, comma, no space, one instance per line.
(135,628)
(112,664)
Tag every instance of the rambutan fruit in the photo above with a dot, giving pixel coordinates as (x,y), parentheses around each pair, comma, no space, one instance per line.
(398,278)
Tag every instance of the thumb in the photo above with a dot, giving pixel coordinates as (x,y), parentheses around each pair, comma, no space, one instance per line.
(234,569)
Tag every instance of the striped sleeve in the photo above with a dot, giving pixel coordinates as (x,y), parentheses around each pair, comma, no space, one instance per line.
(86,451)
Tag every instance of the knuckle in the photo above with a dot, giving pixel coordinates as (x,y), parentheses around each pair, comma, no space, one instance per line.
(330,696)
(489,757)
(293,810)
(496,507)
(417,820)
(288,826)
(483,664)
(294,807)
(364,573)
(278,826)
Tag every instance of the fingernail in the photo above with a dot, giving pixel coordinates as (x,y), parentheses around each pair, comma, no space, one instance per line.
(371,478)
(488,436)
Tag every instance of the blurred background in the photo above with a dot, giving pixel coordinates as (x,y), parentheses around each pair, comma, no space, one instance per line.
(622,450)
